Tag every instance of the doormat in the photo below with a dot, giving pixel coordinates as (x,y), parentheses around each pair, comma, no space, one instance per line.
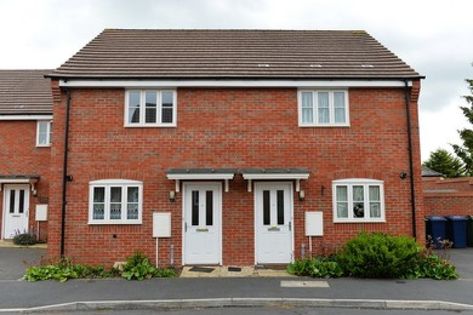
(234,269)
(202,269)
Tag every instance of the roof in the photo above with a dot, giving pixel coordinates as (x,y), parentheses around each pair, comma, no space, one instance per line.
(25,92)
(232,54)
(427,172)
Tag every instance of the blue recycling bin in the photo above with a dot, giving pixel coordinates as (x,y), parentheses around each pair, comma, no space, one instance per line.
(436,228)
(456,230)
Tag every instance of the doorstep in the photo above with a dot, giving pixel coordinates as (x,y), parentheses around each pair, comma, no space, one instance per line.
(230,272)
(9,243)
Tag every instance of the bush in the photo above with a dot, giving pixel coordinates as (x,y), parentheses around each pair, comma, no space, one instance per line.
(434,267)
(24,239)
(379,255)
(316,267)
(138,267)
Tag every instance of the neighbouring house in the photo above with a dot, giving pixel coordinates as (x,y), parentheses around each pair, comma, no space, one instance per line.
(246,146)
(25,151)
(446,196)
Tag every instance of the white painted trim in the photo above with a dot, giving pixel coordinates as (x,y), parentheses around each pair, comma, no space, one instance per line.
(26,117)
(142,123)
(17,181)
(358,181)
(218,186)
(315,107)
(289,176)
(48,134)
(293,227)
(231,83)
(210,176)
(106,184)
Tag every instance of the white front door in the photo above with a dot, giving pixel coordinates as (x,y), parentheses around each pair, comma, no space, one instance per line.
(202,204)
(15,210)
(273,222)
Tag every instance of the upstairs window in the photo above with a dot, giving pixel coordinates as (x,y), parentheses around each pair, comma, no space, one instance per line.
(358,200)
(150,108)
(43,133)
(115,201)
(323,108)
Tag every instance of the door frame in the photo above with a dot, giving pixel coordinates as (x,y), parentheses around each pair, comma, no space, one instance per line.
(291,211)
(4,206)
(218,186)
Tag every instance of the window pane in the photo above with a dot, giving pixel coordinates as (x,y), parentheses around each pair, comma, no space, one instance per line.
(307,107)
(166,114)
(167,104)
(358,194)
(342,193)
(195,207)
(307,115)
(132,203)
(266,208)
(307,100)
(43,132)
(280,200)
(132,211)
(374,193)
(12,201)
(133,194)
(134,107)
(99,212)
(358,210)
(50,132)
(150,113)
(167,98)
(323,99)
(339,104)
(115,203)
(342,209)
(209,205)
(99,194)
(21,205)
(375,209)
(116,194)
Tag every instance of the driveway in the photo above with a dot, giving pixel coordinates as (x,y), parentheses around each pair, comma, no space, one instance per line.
(14,261)
(462,258)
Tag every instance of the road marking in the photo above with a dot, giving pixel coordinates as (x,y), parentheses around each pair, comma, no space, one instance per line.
(304,284)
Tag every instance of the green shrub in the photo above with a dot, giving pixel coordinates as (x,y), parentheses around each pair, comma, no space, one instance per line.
(138,267)
(378,255)
(316,267)
(24,239)
(433,267)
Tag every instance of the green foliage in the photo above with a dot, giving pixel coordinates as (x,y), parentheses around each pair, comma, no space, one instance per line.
(444,162)
(24,239)
(465,151)
(315,267)
(137,267)
(433,267)
(379,255)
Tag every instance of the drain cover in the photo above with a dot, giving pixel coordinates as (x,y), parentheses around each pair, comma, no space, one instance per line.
(202,269)
(234,269)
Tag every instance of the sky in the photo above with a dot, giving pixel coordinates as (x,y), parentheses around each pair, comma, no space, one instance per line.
(434,37)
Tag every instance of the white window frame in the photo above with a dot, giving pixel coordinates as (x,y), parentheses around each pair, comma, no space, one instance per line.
(107,184)
(48,134)
(142,122)
(315,117)
(365,182)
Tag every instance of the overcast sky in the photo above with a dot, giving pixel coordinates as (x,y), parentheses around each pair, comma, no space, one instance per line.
(434,37)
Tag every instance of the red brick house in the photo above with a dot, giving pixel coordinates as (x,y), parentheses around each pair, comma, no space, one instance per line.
(247,140)
(25,141)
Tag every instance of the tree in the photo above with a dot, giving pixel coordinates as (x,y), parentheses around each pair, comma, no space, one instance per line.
(465,151)
(444,162)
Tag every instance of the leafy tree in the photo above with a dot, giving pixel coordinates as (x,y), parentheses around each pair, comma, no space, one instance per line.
(465,151)
(444,162)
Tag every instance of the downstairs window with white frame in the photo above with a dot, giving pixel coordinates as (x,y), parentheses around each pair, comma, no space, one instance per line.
(44,133)
(358,200)
(150,108)
(115,201)
(323,108)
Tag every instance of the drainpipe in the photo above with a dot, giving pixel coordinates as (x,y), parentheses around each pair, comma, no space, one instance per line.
(64,173)
(411,162)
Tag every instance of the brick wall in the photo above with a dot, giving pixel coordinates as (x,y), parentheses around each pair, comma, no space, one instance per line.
(234,128)
(19,156)
(452,196)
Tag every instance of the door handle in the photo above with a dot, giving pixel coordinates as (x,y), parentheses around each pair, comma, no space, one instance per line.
(185,226)
(290,225)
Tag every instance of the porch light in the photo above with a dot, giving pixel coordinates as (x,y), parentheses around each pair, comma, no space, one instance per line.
(172,196)
(301,195)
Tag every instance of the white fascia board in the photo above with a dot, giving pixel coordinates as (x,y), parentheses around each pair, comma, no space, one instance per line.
(223,176)
(17,180)
(232,83)
(26,117)
(275,176)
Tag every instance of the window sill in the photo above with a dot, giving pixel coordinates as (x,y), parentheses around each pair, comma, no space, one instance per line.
(114,222)
(326,126)
(43,145)
(360,221)
(151,126)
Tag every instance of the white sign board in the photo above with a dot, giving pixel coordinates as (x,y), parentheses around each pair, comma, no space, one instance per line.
(162,224)
(41,212)
(314,223)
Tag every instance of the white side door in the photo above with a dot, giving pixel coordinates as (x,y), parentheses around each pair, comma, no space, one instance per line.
(273,222)
(15,210)
(202,238)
